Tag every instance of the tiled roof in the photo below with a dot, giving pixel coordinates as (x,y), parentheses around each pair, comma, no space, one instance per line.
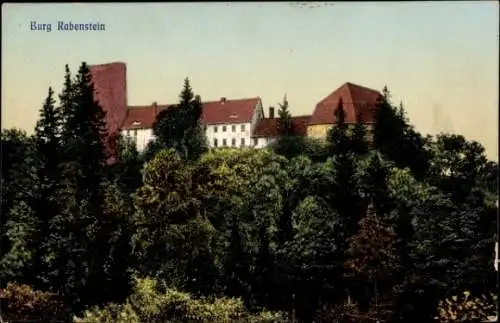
(355,99)
(229,111)
(214,112)
(142,116)
(268,127)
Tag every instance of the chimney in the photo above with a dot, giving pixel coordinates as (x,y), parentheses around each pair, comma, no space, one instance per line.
(223,100)
(271,112)
(155,109)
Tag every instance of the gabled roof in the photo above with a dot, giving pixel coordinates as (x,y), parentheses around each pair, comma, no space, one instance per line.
(214,112)
(355,99)
(142,117)
(229,111)
(268,127)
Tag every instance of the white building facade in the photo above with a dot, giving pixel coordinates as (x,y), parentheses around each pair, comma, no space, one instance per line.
(227,123)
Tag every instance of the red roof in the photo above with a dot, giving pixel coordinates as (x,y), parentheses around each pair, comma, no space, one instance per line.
(268,127)
(142,116)
(229,111)
(214,112)
(355,99)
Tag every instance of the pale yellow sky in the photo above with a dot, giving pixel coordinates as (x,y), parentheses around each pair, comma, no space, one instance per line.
(440,58)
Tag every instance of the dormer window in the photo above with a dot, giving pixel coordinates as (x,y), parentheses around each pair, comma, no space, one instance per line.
(136,123)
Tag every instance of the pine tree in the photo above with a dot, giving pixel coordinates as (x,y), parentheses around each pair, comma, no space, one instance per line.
(337,136)
(394,137)
(178,127)
(359,144)
(78,243)
(236,267)
(48,146)
(285,126)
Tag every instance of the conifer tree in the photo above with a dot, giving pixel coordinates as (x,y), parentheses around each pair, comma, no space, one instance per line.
(359,143)
(179,127)
(78,244)
(285,126)
(337,136)
(48,146)
(394,137)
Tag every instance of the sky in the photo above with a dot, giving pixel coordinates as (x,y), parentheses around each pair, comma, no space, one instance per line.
(440,59)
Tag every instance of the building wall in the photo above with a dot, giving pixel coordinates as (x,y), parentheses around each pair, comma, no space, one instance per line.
(258,114)
(234,134)
(141,137)
(262,142)
(320,131)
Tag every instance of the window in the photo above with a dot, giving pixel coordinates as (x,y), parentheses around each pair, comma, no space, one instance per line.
(233,128)
(215,142)
(224,142)
(233,142)
(224,128)
(215,128)
(135,133)
(255,140)
(243,141)
(128,132)
(242,127)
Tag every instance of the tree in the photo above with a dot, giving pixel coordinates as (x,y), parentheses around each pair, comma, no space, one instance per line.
(18,220)
(173,237)
(337,136)
(178,127)
(78,244)
(359,144)
(126,171)
(373,257)
(394,137)
(285,125)
(48,145)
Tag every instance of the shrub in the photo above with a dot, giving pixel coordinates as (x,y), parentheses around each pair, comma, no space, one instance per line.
(147,304)
(466,309)
(22,303)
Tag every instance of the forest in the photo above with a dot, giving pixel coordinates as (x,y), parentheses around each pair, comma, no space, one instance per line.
(387,225)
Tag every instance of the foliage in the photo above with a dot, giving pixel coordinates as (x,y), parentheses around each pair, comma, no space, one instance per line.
(178,127)
(321,231)
(285,125)
(18,220)
(22,303)
(149,304)
(465,308)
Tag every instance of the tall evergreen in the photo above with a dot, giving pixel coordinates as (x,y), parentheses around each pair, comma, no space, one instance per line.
(48,147)
(337,136)
(285,126)
(78,243)
(359,143)
(179,127)
(394,137)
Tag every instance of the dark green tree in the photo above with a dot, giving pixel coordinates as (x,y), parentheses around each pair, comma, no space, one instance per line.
(48,146)
(127,170)
(338,137)
(18,218)
(179,127)
(78,245)
(285,125)
(394,137)
(359,143)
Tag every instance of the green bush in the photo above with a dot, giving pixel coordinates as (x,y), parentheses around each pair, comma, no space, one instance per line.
(147,304)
